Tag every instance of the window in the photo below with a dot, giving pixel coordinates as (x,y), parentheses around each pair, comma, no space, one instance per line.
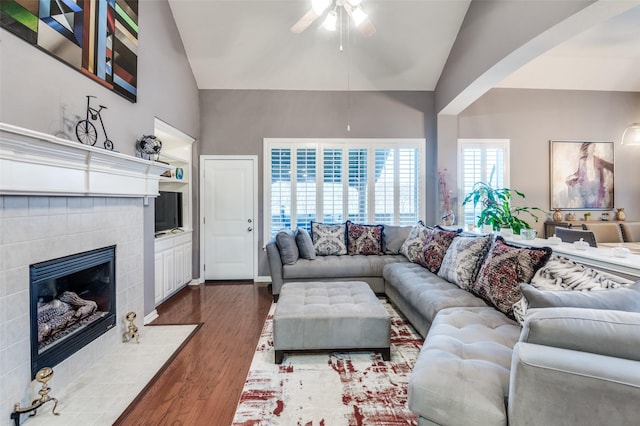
(363,180)
(481,160)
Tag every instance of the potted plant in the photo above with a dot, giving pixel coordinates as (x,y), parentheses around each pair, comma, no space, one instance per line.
(497,210)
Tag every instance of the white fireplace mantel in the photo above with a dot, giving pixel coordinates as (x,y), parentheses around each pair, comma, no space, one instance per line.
(35,163)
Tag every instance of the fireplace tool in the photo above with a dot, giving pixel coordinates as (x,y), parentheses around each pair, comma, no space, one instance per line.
(43,376)
(132,330)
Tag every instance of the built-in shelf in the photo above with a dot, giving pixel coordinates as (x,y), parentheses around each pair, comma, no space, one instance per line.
(35,163)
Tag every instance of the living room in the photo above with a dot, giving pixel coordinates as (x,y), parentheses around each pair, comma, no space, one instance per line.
(468,100)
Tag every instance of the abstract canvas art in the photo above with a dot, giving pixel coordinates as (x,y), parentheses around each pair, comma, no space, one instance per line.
(582,175)
(97,37)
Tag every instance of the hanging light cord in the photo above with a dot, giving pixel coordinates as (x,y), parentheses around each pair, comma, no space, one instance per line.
(348,75)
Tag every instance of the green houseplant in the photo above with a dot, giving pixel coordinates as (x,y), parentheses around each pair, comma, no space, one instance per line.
(497,210)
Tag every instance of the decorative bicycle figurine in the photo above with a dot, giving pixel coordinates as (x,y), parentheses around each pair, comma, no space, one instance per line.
(86,130)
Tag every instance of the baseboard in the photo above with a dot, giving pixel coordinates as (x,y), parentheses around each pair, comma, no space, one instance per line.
(263,279)
(150,317)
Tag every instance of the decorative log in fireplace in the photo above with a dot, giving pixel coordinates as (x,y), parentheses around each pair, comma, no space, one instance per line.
(72,304)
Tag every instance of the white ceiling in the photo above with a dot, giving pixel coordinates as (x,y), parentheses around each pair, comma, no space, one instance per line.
(244,44)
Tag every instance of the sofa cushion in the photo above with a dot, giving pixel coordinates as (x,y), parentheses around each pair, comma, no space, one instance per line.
(504,268)
(461,376)
(421,294)
(339,267)
(364,239)
(412,247)
(286,242)
(393,238)
(329,239)
(618,299)
(435,247)
(463,259)
(305,244)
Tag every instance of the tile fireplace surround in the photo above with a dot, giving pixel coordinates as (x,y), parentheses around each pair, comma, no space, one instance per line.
(58,198)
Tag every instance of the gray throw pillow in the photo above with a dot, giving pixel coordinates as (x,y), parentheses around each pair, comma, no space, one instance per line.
(305,244)
(286,242)
(616,299)
(393,238)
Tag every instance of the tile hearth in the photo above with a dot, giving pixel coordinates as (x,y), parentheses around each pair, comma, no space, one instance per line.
(106,389)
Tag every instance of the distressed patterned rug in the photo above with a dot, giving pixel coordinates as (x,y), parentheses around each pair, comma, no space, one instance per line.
(356,388)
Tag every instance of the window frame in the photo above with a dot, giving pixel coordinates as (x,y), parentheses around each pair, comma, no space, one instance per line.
(345,144)
(483,145)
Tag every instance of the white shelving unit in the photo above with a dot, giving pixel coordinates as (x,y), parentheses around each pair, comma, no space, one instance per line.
(174,250)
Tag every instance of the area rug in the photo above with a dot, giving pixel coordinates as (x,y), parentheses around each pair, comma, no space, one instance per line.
(353,388)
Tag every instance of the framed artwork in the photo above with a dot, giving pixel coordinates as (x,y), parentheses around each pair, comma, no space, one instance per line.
(581,175)
(99,38)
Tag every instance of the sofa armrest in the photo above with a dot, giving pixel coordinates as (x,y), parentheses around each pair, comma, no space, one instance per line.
(550,385)
(597,331)
(275,266)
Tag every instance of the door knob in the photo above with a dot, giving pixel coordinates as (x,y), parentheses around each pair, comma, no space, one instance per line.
(249,229)
(249,221)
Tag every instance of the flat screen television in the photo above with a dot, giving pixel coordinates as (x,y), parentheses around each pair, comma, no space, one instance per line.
(168,212)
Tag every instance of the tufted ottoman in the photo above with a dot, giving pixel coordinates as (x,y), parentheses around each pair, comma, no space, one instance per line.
(462,373)
(342,315)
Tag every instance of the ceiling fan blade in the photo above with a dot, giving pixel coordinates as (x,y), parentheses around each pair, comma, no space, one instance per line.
(304,22)
(366,26)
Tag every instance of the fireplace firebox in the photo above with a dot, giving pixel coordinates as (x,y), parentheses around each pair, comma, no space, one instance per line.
(72,303)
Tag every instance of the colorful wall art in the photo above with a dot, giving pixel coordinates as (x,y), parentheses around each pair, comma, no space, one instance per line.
(97,37)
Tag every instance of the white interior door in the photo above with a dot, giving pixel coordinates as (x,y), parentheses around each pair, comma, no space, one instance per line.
(229,186)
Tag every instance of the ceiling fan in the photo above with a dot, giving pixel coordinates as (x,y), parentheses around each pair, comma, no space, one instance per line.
(352,7)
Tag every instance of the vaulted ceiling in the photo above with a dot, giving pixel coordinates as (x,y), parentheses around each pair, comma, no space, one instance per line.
(247,44)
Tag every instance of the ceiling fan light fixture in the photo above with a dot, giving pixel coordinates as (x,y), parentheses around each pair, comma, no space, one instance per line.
(631,135)
(319,6)
(358,15)
(331,21)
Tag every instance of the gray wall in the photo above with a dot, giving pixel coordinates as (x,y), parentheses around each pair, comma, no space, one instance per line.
(234,122)
(35,86)
(530,118)
(492,30)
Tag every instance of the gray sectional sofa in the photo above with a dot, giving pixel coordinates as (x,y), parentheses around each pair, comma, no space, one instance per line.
(479,366)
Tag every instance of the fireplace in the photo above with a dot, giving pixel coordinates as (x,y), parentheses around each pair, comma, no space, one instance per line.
(72,303)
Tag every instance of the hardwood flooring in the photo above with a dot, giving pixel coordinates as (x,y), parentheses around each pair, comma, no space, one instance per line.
(203,383)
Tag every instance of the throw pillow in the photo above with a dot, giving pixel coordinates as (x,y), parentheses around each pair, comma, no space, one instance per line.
(328,239)
(364,239)
(305,244)
(435,247)
(561,273)
(505,267)
(463,259)
(619,299)
(393,237)
(412,247)
(286,242)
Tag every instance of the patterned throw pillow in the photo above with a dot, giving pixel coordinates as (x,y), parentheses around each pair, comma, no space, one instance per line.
(412,246)
(364,239)
(329,239)
(561,273)
(435,247)
(463,259)
(503,270)
(305,244)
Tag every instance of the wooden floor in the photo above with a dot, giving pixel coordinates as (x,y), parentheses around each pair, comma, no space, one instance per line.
(203,383)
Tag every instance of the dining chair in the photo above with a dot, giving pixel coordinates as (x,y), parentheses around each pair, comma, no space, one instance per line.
(605,232)
(568,235)
(631,232)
